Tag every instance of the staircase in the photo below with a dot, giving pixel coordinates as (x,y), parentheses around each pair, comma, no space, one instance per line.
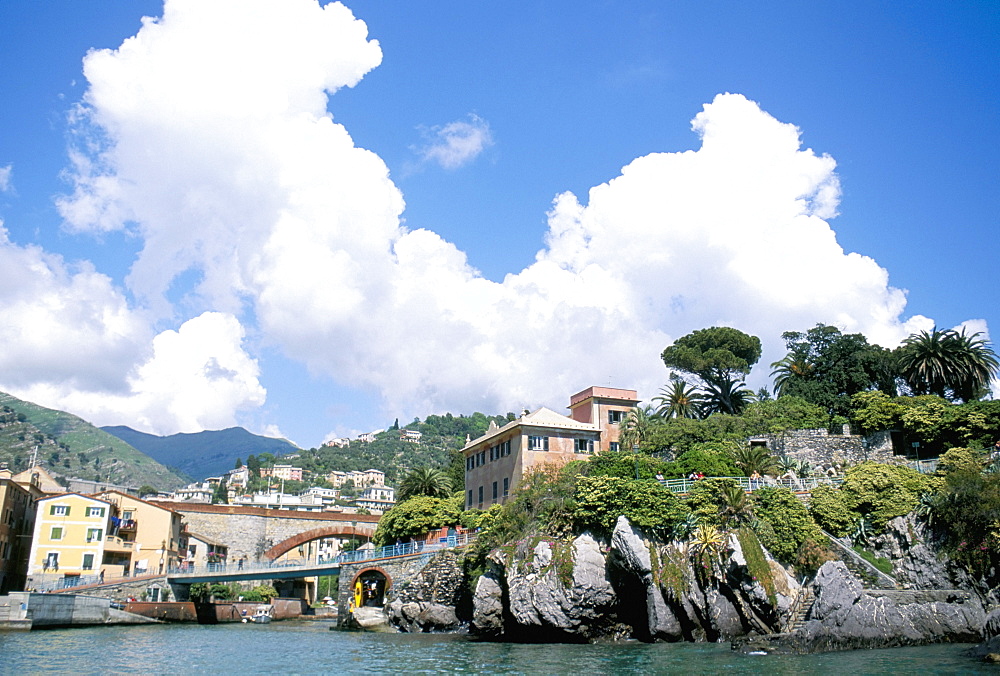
(801,609)
(869,576)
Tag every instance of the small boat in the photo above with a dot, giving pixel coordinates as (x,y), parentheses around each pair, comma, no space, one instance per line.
(262,615)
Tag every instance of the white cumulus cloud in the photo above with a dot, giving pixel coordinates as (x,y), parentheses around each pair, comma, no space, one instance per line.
(217,149)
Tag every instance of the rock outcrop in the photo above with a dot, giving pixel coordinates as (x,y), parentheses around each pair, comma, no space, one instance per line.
(574,591)
(845,617)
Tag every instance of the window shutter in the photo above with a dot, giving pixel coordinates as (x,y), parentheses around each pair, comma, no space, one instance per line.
(545,443)
(52,510)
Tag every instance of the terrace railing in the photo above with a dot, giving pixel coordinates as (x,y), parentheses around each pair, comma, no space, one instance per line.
(803,485)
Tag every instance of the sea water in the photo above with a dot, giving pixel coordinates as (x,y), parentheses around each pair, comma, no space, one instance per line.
(309,647)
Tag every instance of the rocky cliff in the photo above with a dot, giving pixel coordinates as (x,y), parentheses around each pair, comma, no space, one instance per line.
(583,591)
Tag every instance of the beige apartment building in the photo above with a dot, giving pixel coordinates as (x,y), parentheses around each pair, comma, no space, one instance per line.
(496,461)
(144,537)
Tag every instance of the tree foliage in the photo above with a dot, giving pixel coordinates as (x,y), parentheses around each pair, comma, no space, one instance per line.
(880,492)
(720,357)
(950,364)
(427,481)
(826,367)
(418,516)
(601,500)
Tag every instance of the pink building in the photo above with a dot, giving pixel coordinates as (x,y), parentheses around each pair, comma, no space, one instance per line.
(496,461)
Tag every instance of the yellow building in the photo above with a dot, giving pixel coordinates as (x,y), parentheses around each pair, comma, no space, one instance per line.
(144,537)
(68,537)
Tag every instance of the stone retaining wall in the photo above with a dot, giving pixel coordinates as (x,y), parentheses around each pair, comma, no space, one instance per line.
(822,449)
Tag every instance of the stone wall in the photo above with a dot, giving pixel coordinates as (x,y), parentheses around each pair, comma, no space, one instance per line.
(824,450)
(440,581)
(398,571)
(252,531)
(141,589)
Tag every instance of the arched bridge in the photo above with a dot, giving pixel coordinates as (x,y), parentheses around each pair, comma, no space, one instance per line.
(263,534)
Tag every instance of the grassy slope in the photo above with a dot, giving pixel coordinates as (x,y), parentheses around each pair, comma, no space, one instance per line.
(70,446)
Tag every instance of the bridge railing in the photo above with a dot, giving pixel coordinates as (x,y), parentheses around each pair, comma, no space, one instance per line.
(750,485)
(356,556)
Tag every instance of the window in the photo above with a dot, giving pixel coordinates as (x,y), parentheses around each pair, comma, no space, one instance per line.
(59,510)
(495,491)
(538,443)
(52,561)
(95,511)
(57,533)
(613,446)
(584,445)
(615,417)
(88,561)
(480,495)
(94,534)
(506,486)
(470,498)
(126,515)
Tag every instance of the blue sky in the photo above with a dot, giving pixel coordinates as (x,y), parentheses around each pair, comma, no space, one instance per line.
(196,236)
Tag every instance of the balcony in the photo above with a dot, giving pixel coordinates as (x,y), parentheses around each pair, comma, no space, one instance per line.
(113,543)
(128,525)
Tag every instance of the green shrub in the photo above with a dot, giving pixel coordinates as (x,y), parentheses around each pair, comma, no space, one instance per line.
(417,516)
(789,521)
(882,492)
(826,505)
(757,563)
(647,504)
(706,497)
(710,458)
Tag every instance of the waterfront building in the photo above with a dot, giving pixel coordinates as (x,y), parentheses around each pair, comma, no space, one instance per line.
(69,536)
(496,461)
(237,478)
(319,496)
(17,523)
(144,538)
(198,550)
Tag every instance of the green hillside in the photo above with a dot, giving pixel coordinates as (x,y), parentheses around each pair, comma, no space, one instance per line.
(70,446)
(443,437)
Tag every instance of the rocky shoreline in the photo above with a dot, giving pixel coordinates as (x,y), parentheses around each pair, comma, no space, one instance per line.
(633,587)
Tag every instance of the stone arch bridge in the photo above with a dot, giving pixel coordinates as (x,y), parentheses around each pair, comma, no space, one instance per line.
(263,534)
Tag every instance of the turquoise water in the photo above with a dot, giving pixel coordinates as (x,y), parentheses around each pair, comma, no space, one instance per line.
(310,648)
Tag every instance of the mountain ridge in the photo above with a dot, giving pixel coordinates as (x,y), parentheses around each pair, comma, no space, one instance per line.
(202,454)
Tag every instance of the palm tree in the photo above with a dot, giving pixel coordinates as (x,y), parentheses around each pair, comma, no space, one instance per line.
(425,481)
(680,400)
(950,364)
(752,459)
(727,397)
(789,369)
(635,428)
(735,507)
